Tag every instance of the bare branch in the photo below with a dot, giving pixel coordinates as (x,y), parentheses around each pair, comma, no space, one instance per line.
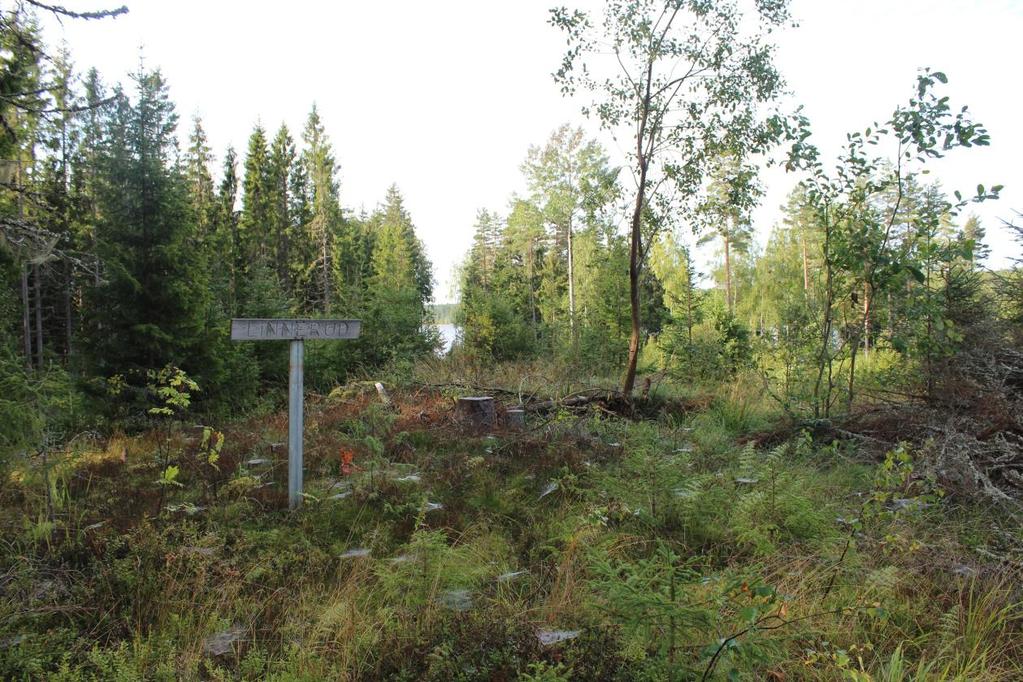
(60,110)
(60,11)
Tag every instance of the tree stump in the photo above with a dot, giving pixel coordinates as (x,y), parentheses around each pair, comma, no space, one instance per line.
(477,411)
(516,418)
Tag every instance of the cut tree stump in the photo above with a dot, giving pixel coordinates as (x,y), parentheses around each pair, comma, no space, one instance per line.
(478,411)
(516,418)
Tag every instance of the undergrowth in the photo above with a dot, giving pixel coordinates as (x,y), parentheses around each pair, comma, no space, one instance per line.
(586,547)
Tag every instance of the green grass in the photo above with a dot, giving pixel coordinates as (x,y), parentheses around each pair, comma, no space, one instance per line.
(668,548)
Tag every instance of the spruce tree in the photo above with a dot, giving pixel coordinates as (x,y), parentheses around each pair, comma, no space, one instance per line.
(325,222)
(254,230)
(148,310)
(281,233)
(525,235)
(21,96)
(59,210)
(398,254)
(86,169)
(494,314)
(401,284)
(200,182)
(225,240)
(301,248)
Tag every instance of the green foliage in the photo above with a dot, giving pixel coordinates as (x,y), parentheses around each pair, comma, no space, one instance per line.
(876,235)
(773,508)
(653,598)
(735,349)
(149,308)
(553,276)
(169,477)
(135,258)
(396,320)
(586,547)
(171,389)
(37,409)
(656,556)
(494,316)
(546,672)
(687,84)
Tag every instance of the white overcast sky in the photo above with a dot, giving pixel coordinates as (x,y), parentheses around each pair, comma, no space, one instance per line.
(444,98)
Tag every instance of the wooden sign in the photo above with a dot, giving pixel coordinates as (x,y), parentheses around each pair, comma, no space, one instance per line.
(288,330)
(295,331)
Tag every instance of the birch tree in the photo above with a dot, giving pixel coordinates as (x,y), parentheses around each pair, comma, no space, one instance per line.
(685,80)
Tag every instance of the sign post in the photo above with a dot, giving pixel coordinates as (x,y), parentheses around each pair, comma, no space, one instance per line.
(295,331)
(296,421)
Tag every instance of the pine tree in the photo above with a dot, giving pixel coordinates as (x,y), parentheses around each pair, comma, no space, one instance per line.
(732,192)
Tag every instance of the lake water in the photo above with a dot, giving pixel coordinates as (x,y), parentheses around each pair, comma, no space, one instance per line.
(448,332)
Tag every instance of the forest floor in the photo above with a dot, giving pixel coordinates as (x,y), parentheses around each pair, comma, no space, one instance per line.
(587,546)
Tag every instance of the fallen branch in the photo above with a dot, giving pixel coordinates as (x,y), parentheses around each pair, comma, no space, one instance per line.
(581,399)
(862,436)
(573,400)
(483,390)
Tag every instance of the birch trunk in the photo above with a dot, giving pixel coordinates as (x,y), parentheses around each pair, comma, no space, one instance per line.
(728,276)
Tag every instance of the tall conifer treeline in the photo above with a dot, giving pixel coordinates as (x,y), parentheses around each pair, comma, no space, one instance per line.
(127,243)
(125,247)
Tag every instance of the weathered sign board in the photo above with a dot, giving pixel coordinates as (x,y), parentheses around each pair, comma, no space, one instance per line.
(283,330)
(295,331)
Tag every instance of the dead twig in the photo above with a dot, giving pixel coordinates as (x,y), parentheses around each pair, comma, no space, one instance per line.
(759,624)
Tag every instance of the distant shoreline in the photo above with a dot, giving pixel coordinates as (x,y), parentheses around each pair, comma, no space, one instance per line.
(444,313)
(448,334)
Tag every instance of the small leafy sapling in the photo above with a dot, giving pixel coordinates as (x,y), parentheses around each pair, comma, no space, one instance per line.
(210,446)
(171,389)
(900,490)
(169,477)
